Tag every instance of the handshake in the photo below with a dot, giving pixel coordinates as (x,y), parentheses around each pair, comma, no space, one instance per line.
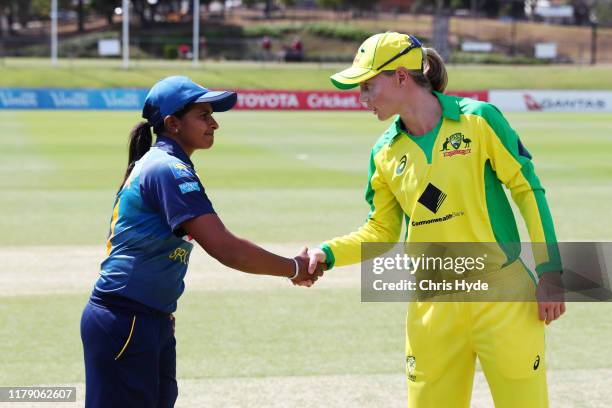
(310,264)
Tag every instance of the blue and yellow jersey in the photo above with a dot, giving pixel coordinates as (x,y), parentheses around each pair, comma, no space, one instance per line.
(147,251)
(447,186)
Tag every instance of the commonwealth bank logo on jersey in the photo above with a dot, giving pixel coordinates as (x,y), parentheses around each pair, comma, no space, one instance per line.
(454,143)
(432,198)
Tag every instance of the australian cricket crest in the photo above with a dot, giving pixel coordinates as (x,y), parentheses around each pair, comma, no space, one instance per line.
(455,140)
(459,144)
(411,367)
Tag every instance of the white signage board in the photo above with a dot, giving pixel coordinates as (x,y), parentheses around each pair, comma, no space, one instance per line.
(109,47)
(476,46)
(545,50)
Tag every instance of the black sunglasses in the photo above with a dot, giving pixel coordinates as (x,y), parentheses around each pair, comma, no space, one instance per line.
(414,43)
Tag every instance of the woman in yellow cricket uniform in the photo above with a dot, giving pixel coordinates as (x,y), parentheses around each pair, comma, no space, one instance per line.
(440,168)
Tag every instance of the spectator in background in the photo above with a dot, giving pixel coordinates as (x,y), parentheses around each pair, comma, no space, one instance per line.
(293,53)
(298,49)
(266,46)
(203,48)
(183,51)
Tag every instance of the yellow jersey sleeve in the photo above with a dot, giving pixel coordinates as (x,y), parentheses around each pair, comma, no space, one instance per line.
(512,163)
(384,222)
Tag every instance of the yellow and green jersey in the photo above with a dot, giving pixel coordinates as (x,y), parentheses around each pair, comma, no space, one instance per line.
(446,186)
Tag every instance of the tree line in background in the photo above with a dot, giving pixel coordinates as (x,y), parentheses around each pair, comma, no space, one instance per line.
(24,11)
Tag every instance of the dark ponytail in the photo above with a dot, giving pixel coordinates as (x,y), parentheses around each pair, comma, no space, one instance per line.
(435,71)
(140,143)
(433,76)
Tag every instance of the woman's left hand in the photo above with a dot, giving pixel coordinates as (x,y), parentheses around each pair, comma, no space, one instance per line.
(551,297)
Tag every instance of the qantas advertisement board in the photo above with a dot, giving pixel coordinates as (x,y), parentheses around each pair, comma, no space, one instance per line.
(551,101)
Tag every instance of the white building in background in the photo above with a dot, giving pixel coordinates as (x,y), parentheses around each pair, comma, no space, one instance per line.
(549,11)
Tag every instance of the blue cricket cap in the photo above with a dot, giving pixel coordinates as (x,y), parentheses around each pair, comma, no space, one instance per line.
(173,93)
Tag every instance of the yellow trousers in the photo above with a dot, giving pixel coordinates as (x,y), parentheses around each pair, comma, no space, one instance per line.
(443,340)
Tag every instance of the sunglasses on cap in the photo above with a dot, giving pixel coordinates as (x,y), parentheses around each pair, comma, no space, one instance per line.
(414,43)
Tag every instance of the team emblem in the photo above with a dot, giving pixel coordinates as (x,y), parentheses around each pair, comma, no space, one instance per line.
(411,367)
(455,140)
(459,145)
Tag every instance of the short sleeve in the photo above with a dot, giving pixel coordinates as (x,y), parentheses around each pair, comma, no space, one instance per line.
(175,191)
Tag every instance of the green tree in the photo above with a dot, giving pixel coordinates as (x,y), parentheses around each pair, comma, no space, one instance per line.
(80,9)
(348,4)
(105,8)
(269,5)
(603,12)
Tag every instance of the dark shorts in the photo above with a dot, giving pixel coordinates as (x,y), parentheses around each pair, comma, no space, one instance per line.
(130,357)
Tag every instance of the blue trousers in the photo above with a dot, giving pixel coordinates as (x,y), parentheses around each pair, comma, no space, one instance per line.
(130,357)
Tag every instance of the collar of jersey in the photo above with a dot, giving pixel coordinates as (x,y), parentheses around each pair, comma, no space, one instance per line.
(172,148)
(450,110)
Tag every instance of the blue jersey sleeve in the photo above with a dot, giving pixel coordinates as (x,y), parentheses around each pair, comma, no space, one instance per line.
(175,191)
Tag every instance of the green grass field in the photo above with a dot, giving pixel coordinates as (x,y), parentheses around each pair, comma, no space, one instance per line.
(61,169)
(98,73)
(250,341)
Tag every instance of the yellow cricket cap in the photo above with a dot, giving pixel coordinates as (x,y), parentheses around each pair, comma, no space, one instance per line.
(381,52)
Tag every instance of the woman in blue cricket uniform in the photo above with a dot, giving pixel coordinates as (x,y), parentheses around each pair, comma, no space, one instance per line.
(127,326)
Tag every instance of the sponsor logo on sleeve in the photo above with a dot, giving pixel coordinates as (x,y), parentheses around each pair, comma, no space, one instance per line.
(179,170)
(189,187)
(401,166)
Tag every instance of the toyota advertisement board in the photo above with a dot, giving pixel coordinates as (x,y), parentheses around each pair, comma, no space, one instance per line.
(133,99)
(257,99)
